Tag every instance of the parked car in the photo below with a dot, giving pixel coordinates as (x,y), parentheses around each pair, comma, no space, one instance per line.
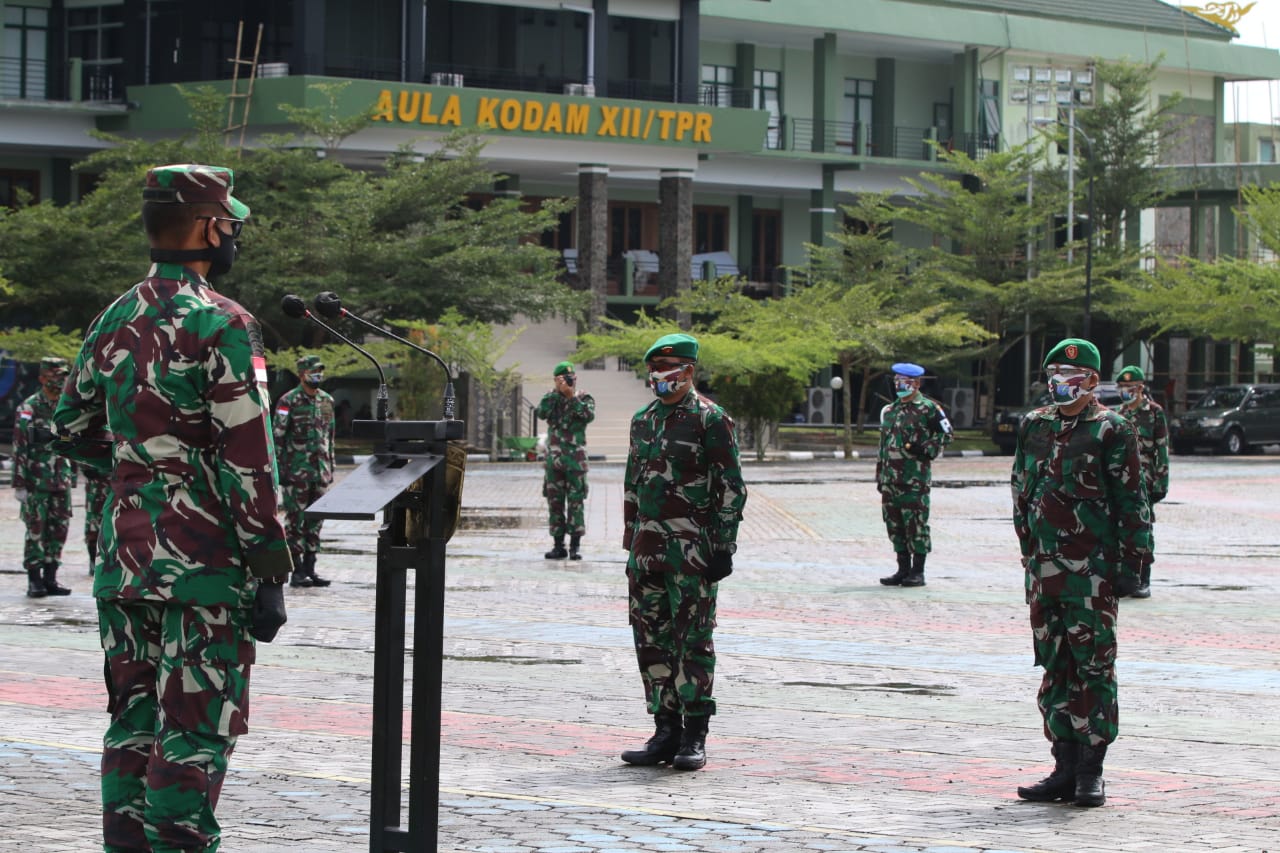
(1004,432)
(1230,419)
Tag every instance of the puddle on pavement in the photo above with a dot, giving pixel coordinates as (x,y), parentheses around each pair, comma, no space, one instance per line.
(1213,587)
(471,520)
(904,687)
(968,484)
(468,589)
(515,660)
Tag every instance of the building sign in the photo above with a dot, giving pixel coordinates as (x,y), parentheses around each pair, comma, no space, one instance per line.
(546,116)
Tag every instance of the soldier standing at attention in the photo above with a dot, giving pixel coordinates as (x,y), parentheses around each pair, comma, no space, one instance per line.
(567,411)
(168,397)
(304,428)
(913,432)
(1080,512)
(683,496)
(1149,420)
(42,482)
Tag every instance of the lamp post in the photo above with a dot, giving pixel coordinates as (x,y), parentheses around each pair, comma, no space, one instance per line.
(1088,246)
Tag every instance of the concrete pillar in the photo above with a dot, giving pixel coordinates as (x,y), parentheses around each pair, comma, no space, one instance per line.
(1179,372)
(883,102)
(688,64)
(964,119)
(1227,246)
(746,234)
(675,235)
(600,73)
(593,237)
(822,210)
(308,55)
(415,42)
(828,88)
(745,76)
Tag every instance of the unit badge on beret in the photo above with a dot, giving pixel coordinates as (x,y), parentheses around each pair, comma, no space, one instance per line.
(666,349)
(1072,350)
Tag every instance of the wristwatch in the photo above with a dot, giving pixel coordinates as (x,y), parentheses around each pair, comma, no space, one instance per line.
(729,548)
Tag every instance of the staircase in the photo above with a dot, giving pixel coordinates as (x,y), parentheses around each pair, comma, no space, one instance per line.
(618,393)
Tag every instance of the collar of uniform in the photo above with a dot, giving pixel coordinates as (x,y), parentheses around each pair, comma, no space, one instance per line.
(175,271)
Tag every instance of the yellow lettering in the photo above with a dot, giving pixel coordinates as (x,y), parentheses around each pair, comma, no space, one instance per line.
(452,111)
(487,112)
(635,121)
(509,116)
(385,108)
(533,112)
(554,122)
(702,128)
(408,108)
(684,124)
(579,118)
(665,116)
(608,115)
(427,117)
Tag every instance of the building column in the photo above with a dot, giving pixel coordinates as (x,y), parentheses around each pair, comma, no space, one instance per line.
(675,236)
(964,108)
(744,77)
(746,234)
(1227,247)
(600,25)
(883,101)
(593,237)
(828,89)
(822,210)
(308,38)
(688,60)
(415,42)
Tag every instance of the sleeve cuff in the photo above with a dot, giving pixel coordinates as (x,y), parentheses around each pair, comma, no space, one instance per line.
(270,563)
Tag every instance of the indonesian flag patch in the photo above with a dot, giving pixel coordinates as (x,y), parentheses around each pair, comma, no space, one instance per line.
(260,369)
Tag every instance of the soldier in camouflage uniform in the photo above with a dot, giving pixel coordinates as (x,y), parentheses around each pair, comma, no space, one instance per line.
(567,411)
(96,487)
(683,496)
(1153,445)
(168,397)
(913,432)
(1080,511)
(42,482)
(304,430)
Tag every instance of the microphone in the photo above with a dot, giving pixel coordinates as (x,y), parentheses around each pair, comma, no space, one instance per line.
(293,306)
(329,304)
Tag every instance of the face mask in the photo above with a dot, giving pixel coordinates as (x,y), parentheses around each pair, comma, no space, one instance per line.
(314,379)
(903,389)
(666,383)
(1067,389)
(221,256)
(1127,396)
(54,384)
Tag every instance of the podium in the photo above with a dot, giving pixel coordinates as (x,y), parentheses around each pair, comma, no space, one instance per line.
(405,480)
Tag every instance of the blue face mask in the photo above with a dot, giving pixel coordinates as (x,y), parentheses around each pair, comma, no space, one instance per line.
(666,382)
(1128,395)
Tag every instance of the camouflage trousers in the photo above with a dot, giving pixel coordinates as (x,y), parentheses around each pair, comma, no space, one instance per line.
(95,501)
(906,517)
(1075,643)
(566,492)
(47,516)
(178,694)
(303,533)
(672,617)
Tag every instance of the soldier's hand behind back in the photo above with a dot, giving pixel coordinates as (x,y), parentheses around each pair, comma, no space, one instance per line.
(719,566)
(268,611)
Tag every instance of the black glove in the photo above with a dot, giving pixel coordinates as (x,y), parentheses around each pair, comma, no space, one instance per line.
(720,566)
(1126,585)
(268,611)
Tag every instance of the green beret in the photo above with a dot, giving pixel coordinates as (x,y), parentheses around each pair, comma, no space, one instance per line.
(1131,373)
(676,346)
(1074,351)
(562,368)
(310,362)
(54,364)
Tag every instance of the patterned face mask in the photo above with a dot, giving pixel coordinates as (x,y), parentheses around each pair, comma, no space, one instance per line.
(315,378)
(1067,388)
(1128,395)
(903,389)
(668,382)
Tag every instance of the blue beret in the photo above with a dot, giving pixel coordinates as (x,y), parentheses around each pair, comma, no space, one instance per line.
(906,368)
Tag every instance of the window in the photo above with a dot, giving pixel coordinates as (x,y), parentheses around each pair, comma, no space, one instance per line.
(717,85)
(855,110)
(1266,151)
(767,89)
(766,245)
(710,230)
(94,36)
(13,180)
(24,52)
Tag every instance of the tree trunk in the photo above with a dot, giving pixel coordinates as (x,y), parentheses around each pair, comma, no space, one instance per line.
(862,396)
(846,403)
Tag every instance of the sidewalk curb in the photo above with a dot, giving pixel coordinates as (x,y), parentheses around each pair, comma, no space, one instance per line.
(772,456)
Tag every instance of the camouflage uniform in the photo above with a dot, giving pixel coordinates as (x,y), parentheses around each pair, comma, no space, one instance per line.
(1148,419)
(564,482)
(913,432)
(96,488)
(304,428)
(48,480)
(168,397)
(1080,511)
(683,497)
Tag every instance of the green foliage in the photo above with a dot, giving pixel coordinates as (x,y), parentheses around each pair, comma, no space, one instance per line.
(31,345)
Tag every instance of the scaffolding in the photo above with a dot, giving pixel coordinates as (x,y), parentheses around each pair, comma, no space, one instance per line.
(238,98)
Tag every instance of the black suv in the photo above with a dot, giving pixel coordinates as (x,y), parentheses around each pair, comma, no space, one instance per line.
(1231,419)
(1004,432)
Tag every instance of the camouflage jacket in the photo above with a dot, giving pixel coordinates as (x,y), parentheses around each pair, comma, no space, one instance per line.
(36,467)
(1079,506)
(174,373)
(1153,445)
(567,419)
(683,492)
(304,429)
(912,434)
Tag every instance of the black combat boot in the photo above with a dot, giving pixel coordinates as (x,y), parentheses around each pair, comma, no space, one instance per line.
(300,576)
(916,578)
(904,569)
(93,555)
(35,584)
(1090,789)
(309,565)
(557,551)
(660,748)
(575,541)
(51,585)
(1061,783)
(1144,583)
(693,745)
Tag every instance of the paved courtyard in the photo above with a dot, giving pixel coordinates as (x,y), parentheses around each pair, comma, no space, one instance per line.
(852,717)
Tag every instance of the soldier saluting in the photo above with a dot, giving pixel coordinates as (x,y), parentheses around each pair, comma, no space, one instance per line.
(567,410)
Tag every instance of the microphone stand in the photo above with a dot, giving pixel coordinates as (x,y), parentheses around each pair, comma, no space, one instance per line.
(295,307)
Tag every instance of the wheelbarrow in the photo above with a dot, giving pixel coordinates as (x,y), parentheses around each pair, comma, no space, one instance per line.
(522,445)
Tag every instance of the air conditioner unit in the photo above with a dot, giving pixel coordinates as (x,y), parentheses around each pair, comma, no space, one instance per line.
(439,78)
(958,403)
(817,406)
(273,69)
(580,90)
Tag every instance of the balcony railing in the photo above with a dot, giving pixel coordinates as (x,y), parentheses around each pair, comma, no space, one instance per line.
(31,81)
